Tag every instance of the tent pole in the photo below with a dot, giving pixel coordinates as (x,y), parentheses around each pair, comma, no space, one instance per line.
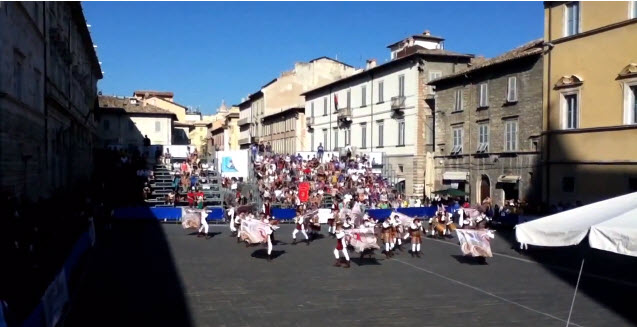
(568,321)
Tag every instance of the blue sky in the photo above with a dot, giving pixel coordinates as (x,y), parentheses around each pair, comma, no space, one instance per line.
(209,51)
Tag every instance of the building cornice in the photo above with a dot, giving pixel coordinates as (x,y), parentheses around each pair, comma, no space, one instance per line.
(590,129)
(595,31)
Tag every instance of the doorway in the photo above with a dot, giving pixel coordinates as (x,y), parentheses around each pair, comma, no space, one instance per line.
(485,188)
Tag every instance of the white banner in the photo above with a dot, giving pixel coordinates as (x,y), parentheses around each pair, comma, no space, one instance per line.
(475,242)
(324,215)
(233,163)
(54,299)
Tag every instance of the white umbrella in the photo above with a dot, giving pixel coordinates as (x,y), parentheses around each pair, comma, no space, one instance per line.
(611,225)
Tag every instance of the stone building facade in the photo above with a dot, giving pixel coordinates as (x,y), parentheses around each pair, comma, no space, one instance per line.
(285,93)
(48,89)
(488,123)
(386,109)
(124,122)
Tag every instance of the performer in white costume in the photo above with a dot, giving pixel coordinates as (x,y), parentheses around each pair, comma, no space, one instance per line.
(203,230)
(341,246)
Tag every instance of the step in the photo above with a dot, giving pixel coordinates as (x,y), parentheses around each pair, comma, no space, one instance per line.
(161,184)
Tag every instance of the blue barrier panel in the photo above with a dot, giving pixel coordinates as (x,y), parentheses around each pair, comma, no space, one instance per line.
(279,213)
(36,318)
(160,213)
(418,211)
(215,214)
(382,214)
(167,213)
(81,246)
(379,214)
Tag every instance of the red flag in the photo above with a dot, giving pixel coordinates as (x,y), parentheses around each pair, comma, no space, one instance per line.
(304,191)
(336,101)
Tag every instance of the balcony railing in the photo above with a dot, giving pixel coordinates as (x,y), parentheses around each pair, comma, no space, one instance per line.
(243,121)
(345,114)
(398,103)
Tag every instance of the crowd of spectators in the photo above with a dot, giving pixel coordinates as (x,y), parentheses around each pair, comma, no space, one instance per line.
(344,180)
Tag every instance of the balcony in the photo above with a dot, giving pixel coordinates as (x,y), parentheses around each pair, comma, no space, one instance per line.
(309,121)
(243,121)
(398,103)
(245,140)
(345,115)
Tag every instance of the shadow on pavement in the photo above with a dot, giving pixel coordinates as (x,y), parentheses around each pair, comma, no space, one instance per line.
(263,254)
(607,277)
(469,260)
(131,281)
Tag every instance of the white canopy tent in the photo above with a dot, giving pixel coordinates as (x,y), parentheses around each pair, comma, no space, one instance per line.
(611,225)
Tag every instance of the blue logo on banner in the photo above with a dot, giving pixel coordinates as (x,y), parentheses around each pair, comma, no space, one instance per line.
(227,166)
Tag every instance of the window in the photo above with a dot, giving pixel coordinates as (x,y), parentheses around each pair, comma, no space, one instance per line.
(633,9)
(457,140)
(363,96)
(381,126)
(568,184)
(429,125)
(18,74)
(512,89)
(107,124)
(401,132)
(363,136)
(401,168)
(335,138)
(349,99)
(511,135)
(570,110)
(630,103)
(458,105)
(401,85)
(484,95)
(324,138)
(325,106)
(572,18)
(432,76)
(381,91)
(312,110)
(157,126)
(348,136)
(483,138)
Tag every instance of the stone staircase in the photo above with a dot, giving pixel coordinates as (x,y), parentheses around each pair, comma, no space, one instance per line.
(160,186)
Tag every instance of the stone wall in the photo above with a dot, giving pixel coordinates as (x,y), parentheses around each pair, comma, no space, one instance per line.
(523,162)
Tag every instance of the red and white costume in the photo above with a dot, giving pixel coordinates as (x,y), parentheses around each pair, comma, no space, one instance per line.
(341,246)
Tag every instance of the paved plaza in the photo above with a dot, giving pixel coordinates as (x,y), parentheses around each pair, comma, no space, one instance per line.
(152,274)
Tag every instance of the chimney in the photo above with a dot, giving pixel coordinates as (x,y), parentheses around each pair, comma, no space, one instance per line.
(371,63)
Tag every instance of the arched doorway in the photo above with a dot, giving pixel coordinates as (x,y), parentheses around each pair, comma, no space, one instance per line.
(485,187)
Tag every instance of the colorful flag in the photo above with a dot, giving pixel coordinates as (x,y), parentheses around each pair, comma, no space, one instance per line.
(475,242)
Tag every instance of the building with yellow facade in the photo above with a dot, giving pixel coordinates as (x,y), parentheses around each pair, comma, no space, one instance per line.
(589,107)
